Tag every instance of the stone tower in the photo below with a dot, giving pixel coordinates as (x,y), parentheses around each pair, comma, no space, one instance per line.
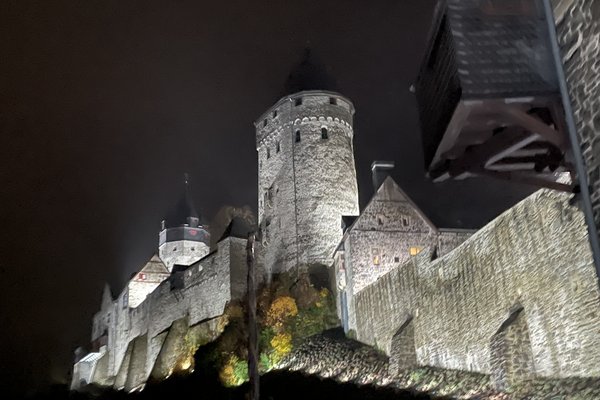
(306,178)
(183,240)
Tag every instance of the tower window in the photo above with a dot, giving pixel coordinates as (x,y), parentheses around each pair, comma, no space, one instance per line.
(324,134)
(265,122)
(297,136)
(333,100)
(298,101)
(268,152)
(405,221)
(278,147)
(275,114)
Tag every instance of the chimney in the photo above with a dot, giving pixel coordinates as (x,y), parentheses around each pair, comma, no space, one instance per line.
(379,171)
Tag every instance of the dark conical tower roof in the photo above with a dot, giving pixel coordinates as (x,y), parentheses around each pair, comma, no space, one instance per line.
(185,208)
(309,74)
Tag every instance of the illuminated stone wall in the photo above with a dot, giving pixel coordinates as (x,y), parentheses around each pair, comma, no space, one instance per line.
(182,252)
(390,230)
(306,179)
(578,28)
(137,336)
(533,261)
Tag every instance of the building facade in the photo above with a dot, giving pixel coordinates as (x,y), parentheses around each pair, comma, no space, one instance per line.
(388,233)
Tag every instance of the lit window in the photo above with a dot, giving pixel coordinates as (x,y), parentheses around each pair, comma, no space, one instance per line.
(297,136)
(415,250)
(375,254)
(324,134)
(298,101)
(333,100)
(142,276)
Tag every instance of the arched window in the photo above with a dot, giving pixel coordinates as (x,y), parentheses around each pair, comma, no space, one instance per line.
(297,136)
(324,134)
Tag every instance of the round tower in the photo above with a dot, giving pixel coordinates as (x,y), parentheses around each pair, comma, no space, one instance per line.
(183,240)
(306,178)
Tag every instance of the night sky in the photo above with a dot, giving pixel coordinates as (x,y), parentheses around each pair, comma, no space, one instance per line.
(105,104)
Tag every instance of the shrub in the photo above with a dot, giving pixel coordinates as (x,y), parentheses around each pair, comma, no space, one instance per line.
(280,310)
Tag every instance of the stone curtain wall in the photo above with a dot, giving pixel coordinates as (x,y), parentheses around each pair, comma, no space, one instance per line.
(137,336)
(578,28)
(535,256)
(306,181)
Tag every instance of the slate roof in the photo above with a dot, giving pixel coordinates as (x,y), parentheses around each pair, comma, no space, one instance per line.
(309,74)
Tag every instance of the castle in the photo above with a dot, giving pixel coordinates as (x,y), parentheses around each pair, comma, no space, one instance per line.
(307,182)
(514,300)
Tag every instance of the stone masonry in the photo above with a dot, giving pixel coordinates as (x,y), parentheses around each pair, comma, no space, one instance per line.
(133,336)
(518,298)
(390,230)
(306,178)
(578,29)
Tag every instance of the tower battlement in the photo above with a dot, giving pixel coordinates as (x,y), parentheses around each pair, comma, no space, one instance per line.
(309,105)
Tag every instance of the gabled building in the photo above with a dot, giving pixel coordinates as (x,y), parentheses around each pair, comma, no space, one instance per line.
(389,231)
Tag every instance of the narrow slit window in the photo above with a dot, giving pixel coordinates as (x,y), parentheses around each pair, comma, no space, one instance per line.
(275,114)
(265,122)
(278,147)
(324,134)
(298,101)
(268,152)
(297,136)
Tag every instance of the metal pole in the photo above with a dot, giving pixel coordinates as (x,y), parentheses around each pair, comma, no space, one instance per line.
(586,200)
(252,326)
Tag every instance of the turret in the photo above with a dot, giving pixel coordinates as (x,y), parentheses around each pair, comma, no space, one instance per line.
(307,177)
(183,239)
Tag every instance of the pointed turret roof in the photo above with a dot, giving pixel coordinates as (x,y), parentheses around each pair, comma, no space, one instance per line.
(185,207)
(309,74)
(107,297)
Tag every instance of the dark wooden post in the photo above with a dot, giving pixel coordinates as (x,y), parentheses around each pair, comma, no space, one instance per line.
(252,326)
